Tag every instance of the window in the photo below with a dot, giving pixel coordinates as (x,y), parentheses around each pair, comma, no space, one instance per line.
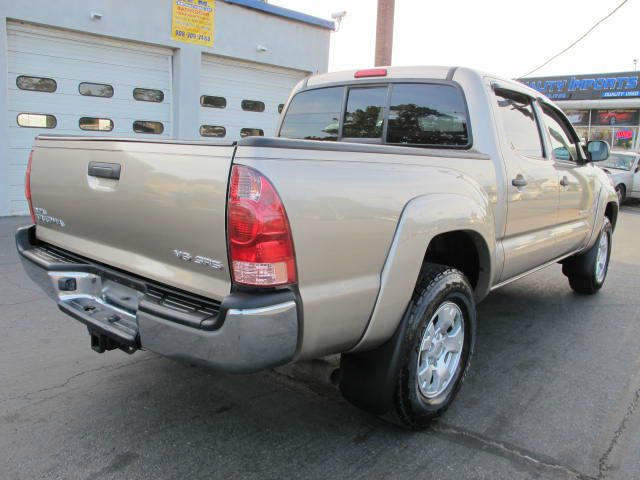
(213,102)
(364,116)
(519,122)
(212,131)
(36,84)
(429,115)
(280,107)
(619,162)
(252,106)
(37,120)
(148,95)
(145,126)
(314,115)
(251,132)
(562,144)
(96,124)
(95,90)
(623,138)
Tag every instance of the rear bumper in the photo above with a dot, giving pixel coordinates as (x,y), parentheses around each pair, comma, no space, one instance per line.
(243,333)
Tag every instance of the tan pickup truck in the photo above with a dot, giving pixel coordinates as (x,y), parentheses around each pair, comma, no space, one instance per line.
(391,202)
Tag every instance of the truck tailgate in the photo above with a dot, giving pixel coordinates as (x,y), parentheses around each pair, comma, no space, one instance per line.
(163,219)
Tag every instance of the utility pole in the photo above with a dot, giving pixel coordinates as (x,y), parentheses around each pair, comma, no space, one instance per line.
(384,32)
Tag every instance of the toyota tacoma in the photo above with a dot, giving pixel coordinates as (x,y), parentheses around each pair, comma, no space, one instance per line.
(391,202)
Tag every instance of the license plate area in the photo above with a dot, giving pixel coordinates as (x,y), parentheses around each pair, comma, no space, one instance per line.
(123,323)
(107,307)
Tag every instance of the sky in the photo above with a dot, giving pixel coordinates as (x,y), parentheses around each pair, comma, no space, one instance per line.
(502,37)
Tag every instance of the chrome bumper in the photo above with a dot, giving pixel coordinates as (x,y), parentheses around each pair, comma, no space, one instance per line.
(243,333)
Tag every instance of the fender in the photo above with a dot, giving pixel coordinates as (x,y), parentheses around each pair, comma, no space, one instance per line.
(606,195)
(421,220)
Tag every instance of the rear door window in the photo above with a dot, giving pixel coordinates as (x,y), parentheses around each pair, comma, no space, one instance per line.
(519,122)
(314,115)
(428,115)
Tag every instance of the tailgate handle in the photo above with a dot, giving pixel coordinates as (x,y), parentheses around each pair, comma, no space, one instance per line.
(105,170)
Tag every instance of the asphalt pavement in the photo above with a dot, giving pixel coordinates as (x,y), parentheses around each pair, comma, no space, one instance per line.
(553,393)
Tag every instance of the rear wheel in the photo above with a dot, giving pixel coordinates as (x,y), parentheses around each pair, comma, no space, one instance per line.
(417,373)
(437,346)
(587,272)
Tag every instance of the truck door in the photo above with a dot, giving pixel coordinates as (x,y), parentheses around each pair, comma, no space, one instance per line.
(577,198)
(532,184)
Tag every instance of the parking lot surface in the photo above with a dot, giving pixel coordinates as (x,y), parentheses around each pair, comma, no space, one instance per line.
(553,393)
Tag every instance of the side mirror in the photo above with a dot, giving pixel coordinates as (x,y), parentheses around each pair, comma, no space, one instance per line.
(598,151)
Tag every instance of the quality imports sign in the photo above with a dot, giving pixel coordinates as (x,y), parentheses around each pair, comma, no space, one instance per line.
(587,87)
(192,21)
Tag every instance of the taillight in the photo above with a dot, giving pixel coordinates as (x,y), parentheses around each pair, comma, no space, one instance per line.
(27,188)
(260,245)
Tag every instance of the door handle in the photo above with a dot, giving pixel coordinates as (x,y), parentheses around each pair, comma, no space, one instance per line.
(565,181)
(519,181)
(104,170)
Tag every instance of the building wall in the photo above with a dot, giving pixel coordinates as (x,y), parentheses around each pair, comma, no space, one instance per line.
(237,33)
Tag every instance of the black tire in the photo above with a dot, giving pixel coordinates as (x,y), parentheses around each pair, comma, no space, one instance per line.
(581,269)
(621,190)
(437,285)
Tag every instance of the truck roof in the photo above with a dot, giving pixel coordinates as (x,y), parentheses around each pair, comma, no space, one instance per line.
(433,72)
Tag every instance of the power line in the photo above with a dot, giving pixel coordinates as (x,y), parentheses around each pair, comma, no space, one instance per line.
(578,40)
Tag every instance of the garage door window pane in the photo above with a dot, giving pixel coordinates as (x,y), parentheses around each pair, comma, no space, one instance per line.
(36,84)
(96,124)
(212,131)
(37,120)
(251,132)
(314,115)
(95,90)
(148,95)
(213,102)
(145,126)
(252,106)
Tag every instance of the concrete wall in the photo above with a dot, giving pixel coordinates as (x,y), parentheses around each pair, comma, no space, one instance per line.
(237,33)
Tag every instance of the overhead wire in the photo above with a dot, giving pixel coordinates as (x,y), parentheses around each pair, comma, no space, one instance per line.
(610,14)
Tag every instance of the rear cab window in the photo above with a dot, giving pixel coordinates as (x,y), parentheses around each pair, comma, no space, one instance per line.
(314,115)
(420,114)
(364,115)
(430,115)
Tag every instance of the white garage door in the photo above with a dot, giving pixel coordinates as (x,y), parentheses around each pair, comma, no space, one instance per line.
(76,84)
(242,98)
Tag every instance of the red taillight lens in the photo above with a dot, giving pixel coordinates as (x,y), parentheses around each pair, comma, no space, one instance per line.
(260,244)
(371,72)
(27,188)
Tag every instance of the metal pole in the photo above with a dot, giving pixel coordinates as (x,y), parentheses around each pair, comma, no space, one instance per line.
(384,32)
